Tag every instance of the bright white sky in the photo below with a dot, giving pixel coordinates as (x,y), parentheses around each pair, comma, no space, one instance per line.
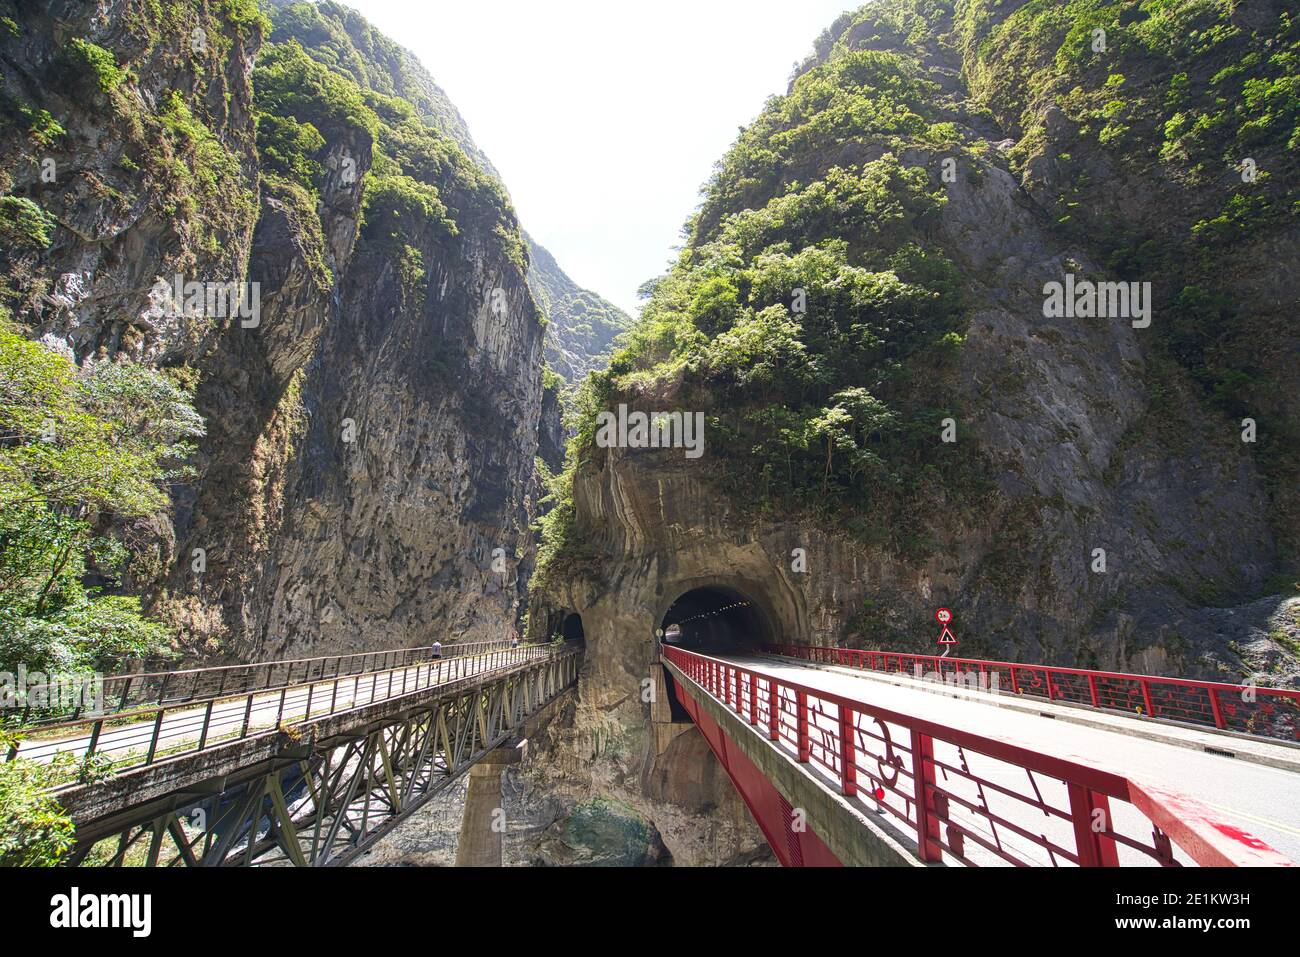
(605,117)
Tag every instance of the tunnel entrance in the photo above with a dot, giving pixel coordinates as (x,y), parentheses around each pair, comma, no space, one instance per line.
(571,630)
(715,619)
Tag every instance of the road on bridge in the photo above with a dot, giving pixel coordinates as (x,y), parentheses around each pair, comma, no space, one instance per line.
(181,729)
(1264,800)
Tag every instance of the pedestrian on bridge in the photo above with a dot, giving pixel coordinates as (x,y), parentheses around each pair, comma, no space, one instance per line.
(436,649)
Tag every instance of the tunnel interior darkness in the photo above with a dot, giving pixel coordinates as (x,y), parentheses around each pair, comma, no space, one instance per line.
(717,619)
(571,630)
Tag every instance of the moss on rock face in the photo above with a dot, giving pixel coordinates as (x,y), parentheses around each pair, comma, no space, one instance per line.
(1161,136)
(24,223)
(92,62)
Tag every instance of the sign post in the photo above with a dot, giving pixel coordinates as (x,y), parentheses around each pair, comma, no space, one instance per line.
(946,638)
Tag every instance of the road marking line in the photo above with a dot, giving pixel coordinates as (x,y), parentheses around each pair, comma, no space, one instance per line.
(1254,818)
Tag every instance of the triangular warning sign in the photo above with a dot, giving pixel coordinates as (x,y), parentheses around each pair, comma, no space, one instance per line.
(946,637)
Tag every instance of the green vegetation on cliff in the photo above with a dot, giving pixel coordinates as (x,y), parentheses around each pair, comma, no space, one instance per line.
(815,319)
(79,446)
(809,316)
(170,150)
(582,326)
(1162,136)
(344,41)
(323,103)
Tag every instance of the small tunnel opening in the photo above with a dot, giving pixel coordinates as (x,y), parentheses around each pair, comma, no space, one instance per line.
(571,629)
(715,619)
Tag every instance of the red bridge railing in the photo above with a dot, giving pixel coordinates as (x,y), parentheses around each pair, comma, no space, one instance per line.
(966,795)
(1244,708)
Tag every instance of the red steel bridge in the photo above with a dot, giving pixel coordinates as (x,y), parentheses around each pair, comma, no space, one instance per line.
(879,758)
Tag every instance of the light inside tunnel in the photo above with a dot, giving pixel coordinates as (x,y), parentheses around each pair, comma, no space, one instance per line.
(715,619)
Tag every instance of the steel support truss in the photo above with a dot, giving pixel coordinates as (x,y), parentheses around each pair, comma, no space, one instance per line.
(324,804)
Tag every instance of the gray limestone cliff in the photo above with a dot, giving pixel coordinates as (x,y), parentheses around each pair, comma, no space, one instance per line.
(367,478)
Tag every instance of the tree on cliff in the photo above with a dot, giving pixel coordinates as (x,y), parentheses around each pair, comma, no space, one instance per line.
(79,446)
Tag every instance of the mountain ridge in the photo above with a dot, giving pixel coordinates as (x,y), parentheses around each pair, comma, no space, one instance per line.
(583,323)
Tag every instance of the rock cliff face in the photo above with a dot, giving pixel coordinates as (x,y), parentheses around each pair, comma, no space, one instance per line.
(367,477)
(1071,434)
(582,325)
(106,162)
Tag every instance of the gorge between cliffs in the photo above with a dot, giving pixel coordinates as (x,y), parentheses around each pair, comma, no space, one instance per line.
(398,430)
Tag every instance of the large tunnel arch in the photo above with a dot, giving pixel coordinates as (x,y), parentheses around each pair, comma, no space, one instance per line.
(717,618)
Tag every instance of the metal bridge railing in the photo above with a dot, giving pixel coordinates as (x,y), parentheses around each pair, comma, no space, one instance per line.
(952,789)
(140,737)
(128,691)
(1243,708)
(324,799)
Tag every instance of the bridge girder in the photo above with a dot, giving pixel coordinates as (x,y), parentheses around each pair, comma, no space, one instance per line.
(325,803)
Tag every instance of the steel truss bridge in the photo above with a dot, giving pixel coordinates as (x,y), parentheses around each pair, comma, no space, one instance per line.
(846,758)
(308,764)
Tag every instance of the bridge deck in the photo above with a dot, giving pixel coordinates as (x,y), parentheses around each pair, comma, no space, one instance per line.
(318,791)
(1262,799)
(182,727)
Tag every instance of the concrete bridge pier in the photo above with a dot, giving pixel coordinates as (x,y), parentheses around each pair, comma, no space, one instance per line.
(483,821)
